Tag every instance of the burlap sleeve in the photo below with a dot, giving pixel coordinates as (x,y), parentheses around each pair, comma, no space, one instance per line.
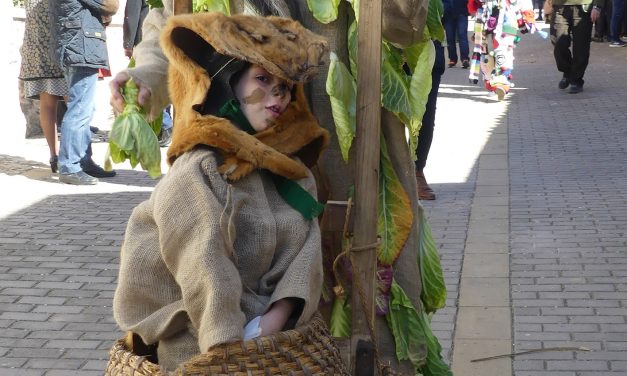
(176,249)
(147,299)
(303,277)
(188,211)
(151,65)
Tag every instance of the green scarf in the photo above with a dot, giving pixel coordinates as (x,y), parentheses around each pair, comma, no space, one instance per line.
(297,197)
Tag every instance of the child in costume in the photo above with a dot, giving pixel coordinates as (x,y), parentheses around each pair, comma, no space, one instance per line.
(497,23)
(227,246)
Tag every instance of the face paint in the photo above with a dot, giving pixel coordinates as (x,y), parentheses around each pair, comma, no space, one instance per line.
(255,97)
(262,95)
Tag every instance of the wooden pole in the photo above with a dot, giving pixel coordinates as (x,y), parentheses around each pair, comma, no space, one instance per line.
(367,145)
(182,6)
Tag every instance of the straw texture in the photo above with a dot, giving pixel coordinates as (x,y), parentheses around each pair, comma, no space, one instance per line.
(307,350)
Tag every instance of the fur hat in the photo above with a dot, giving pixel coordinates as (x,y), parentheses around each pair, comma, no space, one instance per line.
(205,50)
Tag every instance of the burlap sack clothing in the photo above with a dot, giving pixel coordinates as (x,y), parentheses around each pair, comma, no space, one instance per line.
(216,244)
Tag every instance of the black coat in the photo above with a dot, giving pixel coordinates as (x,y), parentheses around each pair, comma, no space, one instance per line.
(78,32)
(134,15)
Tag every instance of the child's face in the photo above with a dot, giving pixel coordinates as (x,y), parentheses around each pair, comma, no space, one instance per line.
(262,96)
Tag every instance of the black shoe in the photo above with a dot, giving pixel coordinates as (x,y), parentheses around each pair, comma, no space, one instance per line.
(465,63)
(78,178)
(54,164)
(91,168)
(96,138)
(575,88)
(564,82)
(618,43)
(165,136)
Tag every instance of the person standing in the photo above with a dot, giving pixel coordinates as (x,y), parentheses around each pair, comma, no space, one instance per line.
(79,45)
(43,78)
(538,5)
(425,135)
(134,14)
(616,24)
(602,22)
(572,24)
(456,27)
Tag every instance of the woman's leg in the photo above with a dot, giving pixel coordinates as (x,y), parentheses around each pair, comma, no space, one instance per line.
(48,119)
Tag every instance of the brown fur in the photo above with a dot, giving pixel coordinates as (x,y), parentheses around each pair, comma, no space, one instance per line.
(283,48)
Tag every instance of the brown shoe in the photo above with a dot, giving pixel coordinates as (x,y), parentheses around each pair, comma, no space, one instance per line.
(424,191)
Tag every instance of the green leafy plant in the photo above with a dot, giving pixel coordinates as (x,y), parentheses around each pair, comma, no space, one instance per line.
(404,322)
(132,137)
(222,6)
(433,293)
(394,211)
(340,325)
(155,3)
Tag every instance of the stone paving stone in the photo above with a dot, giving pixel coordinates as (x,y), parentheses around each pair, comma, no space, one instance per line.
(54,363)
(20,372)
(70,372)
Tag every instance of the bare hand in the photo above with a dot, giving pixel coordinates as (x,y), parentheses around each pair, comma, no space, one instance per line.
(116,84)
(594,15)
(275,319)
(128,52)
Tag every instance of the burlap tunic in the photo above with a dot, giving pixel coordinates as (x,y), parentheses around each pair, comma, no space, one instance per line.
(202,257)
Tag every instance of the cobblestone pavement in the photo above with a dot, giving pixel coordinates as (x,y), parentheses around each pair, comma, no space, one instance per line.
(568,210)
(567,220)
(568,224)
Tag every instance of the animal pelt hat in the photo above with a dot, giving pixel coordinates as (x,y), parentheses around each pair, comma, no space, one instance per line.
(205,51)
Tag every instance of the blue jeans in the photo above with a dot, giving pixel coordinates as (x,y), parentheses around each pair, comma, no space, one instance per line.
(166,123)
(456,27)
(75,133)
(618,7)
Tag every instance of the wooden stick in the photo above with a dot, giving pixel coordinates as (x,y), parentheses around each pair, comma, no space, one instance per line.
(546,349)
(367,152)
(182,6)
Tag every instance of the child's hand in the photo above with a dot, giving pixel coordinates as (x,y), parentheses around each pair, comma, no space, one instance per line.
(117,83)
(274,320)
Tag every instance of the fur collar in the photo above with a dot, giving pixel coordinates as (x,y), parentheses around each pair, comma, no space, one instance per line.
(281,46)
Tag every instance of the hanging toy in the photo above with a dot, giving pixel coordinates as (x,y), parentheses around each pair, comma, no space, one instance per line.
(500,21)
(478,41)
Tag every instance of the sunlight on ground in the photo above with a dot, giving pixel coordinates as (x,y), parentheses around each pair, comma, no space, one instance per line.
(465,118)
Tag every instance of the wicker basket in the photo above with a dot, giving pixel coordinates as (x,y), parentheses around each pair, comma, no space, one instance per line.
(307,350)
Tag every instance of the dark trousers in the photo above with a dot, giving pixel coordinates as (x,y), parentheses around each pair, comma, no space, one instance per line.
(425,135)
(602,26)
(571,24)
(456,28)
(618,9)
